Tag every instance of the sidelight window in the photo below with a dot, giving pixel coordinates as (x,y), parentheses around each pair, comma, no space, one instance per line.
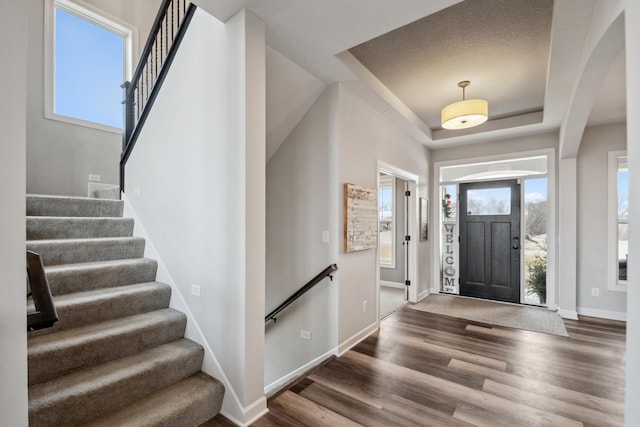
(618,220)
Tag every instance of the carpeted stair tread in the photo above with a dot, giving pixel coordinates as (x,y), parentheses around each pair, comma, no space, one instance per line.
(57,354)
(43,205)
(73,251)
(49,227)
(96,391)
(117,355)
(84,308)
(190,402)
(68,278)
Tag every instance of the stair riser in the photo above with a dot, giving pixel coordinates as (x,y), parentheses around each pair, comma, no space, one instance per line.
(87,278)
(56,252)
(70,206)
(42,228)
(99,308)
(55,358)
(74,406)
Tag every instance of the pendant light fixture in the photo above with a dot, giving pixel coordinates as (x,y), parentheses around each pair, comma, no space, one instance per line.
(466,113)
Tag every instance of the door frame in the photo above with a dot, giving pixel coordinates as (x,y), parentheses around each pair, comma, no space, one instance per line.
(412,217)
(552,236)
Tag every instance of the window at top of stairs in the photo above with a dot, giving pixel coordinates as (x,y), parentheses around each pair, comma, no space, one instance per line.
(88,58)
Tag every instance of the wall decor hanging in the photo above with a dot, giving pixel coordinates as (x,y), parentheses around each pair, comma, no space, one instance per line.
(360,218)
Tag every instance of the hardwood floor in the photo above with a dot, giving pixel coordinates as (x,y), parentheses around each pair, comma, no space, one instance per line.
(424,369)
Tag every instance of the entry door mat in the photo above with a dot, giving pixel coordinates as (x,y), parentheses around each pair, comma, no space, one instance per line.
(510,315)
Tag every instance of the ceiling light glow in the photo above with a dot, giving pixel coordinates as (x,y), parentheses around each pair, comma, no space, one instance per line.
(466,113)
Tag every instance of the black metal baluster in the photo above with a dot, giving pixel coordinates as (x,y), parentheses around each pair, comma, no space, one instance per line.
(173,33)
(163,42)
(155,60)
(138,102)
(158,53)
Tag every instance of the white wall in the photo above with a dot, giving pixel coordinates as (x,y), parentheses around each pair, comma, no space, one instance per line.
(291,91)
(567,237)
(301,195)
(632,385)
(60,156)
(199,168)
(592,221)
(13,312)
(366,137)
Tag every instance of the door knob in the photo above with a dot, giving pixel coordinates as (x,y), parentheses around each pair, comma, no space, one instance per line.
(516,243)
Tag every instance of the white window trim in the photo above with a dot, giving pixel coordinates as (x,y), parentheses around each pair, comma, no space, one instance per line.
(391,264)
(613,284)
(100,18)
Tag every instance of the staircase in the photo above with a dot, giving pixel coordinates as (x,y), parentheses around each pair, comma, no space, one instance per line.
(117,356)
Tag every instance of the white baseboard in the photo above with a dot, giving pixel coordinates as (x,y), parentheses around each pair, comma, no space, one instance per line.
(275,386)
(355,339)
(231,405)
(568,314)
(422,295)
(392,284)
(251,413)
(603,314)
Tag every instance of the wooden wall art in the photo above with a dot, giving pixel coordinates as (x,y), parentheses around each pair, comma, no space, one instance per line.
(360,218)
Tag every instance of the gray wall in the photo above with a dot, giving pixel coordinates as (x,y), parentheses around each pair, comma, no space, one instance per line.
(340,139)
(301,199)
(13,312)
(592,218)
(60,156)
(366,137)
(397,274)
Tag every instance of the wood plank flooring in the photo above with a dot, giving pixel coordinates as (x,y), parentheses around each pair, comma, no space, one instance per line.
(422,369)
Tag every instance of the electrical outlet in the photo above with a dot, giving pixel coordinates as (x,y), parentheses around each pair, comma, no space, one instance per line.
(195,290)
(325,236)
(364,306)
(595,292)
(305,334)
(94,178)
(136,192)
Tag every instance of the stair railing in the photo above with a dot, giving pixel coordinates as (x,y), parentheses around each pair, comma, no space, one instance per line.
(140,93)
(45,315)
(324,273)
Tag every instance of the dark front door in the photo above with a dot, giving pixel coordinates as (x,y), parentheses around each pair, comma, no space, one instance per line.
(490,240)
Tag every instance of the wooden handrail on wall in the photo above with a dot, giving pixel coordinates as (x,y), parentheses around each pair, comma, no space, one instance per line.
(325,273)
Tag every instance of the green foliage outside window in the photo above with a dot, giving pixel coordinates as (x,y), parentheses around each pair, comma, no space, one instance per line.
(536,283)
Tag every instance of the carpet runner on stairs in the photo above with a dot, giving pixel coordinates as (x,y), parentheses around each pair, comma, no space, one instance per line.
(117,356)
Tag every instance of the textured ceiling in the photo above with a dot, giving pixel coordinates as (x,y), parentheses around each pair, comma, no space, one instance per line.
(525,65)
(501,46)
